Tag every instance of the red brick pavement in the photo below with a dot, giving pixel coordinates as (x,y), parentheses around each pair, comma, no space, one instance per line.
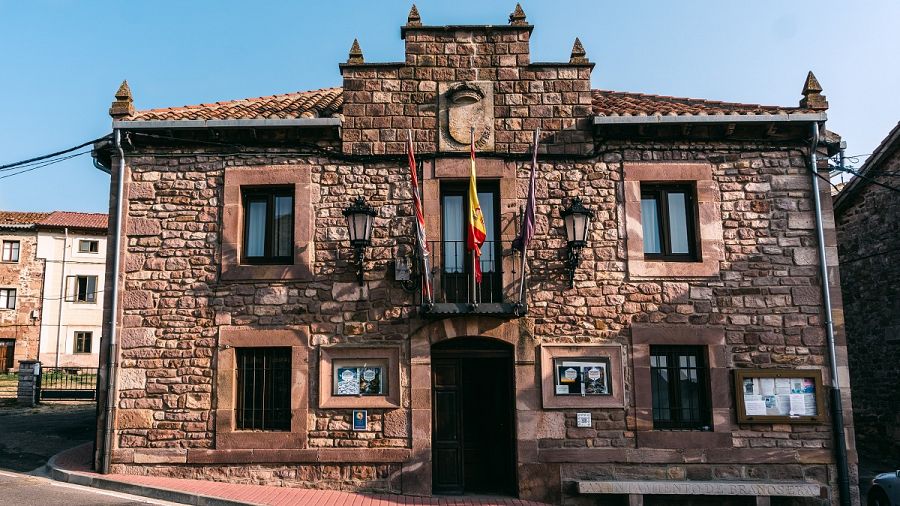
(77,461)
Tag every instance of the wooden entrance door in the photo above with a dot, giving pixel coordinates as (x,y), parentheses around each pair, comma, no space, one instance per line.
(473,438)
(7,352)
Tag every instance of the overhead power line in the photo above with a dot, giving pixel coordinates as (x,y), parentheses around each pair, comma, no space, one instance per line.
(52,155)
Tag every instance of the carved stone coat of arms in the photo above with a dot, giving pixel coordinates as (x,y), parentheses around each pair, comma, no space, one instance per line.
(464,106)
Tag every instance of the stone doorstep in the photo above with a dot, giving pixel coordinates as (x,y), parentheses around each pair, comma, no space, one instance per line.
(738,488)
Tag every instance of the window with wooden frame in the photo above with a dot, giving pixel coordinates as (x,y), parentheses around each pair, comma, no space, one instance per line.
(669,221)
(11,251)
(680,387)
(88,246)
(7,298)
(268,225)
(83,341)
(81,289)
(263,387)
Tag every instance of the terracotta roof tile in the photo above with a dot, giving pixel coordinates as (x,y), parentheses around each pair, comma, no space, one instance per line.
(304,104)
(327,102)
(21,218)
(95,221)
(616,103)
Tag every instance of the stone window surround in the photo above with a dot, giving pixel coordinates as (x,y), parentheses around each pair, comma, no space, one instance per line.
(457,169)
(225,398)
(389,355)
(298,176)
(711,250)
(713,338)
(549,352)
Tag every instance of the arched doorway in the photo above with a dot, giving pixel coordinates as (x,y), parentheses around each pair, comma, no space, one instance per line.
(473,406)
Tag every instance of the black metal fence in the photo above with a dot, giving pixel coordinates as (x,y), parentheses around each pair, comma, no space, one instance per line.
(68,383)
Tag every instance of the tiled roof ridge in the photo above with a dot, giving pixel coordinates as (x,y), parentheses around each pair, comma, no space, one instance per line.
(704,101)
(22,217)
(75,219)
(226,103)
(327,102)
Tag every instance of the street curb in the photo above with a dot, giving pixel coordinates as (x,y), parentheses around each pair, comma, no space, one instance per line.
(54,472)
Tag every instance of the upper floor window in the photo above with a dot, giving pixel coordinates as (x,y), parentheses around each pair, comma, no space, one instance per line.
(88,246)
(83,341)
(456,282)
(7,298)
(82,289)
(678,380)
(268,225)
(263,389)
(11,251)
(668,219)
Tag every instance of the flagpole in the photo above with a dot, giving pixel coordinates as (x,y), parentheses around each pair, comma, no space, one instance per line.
(474,257)
(537,134)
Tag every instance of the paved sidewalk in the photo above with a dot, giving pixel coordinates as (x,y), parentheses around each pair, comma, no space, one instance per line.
(73,466)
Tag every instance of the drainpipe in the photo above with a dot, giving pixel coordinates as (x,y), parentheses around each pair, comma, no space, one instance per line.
(837,410)
(114,293)
(62,294)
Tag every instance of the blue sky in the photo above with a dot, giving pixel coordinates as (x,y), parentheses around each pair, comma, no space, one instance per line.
(61,61)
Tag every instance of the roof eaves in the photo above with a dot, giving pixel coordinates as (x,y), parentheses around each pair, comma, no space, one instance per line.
(228,123)
(800,117)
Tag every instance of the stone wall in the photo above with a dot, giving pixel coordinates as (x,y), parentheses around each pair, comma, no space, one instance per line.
(27,277)
(382,101)
(766,299)
(869,246)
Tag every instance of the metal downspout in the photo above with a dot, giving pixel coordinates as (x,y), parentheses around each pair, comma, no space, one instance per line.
(837,409)
(113,349)
(62,294)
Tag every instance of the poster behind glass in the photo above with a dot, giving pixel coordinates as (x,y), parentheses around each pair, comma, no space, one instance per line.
(788,397)
(589,376)
(359,380)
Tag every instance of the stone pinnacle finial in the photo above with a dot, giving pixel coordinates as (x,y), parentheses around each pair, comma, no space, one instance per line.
(517,18)
(812,94)
(123,105)
(414,19)
(356,54)
(578,53)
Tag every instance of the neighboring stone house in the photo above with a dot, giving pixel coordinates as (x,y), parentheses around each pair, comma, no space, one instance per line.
(51,303)
(680,347)
(867,214)
(21,286)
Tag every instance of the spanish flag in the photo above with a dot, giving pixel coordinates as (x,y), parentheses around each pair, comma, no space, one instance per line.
(476,232)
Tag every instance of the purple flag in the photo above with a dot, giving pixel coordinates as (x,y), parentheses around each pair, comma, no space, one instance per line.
(526,233)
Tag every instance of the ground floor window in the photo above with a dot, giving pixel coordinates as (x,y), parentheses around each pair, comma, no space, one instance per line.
(83,341)
(678,376)
(263,389)
(7,298)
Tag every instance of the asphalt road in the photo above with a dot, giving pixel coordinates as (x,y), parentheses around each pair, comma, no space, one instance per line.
(30,436)
(25,490)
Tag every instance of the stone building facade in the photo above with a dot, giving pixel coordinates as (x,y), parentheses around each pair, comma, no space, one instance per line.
(452,384)
(22,280)
(46,257)
(869,245)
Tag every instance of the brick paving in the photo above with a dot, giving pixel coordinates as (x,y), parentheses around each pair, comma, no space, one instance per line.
(77,461)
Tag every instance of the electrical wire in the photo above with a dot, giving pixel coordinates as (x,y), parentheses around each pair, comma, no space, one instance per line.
(43,164)
(52,155)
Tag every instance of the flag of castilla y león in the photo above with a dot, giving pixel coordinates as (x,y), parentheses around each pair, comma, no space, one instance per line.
(476,231)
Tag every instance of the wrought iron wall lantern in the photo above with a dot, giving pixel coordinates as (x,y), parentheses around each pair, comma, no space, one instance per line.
(577,219)
(360,217)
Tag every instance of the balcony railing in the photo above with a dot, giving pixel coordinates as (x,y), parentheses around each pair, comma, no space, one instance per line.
(455,290)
